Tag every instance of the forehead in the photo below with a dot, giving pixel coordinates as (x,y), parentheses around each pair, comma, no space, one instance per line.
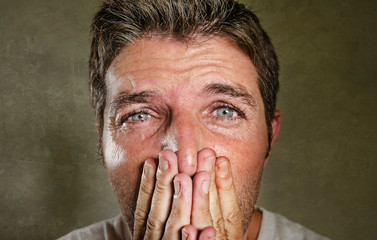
(175,62)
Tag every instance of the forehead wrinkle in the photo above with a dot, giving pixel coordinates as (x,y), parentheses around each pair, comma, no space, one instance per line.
(173,73)
(173,66)
(138,61)
(237,91)
(146,60)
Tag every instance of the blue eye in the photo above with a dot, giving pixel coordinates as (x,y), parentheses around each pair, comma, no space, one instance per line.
(141,116)
(225,112)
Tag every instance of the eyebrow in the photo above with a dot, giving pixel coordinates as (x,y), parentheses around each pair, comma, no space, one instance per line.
(126,98)
(238,91)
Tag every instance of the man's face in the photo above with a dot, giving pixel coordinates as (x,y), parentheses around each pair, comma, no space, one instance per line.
(166,94)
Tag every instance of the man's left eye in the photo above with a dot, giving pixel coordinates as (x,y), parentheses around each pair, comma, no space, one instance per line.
(225,112)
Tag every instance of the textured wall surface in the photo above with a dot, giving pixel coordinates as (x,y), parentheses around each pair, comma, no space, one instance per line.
(323,168)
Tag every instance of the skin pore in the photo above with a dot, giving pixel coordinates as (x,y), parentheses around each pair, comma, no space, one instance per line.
(191,98)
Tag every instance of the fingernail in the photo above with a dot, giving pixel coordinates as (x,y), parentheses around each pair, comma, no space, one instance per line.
(184,235)
(223,169)
(205,187)
(163,164)
(208,163)
(177,188)
(148,170)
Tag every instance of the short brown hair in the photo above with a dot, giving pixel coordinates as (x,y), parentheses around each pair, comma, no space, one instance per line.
(121,22)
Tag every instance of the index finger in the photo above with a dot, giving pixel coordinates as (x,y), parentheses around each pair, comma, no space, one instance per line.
(144,198)
(228,199)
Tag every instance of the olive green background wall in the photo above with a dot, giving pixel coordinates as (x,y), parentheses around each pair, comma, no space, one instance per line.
(322,172)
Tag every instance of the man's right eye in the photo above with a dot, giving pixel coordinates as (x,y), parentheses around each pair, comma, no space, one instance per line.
(137,117)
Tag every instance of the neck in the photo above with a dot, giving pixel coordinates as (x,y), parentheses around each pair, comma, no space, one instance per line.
(254,226)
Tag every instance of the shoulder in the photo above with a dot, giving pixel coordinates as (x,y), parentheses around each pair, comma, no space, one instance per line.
(274,226)
(111,229)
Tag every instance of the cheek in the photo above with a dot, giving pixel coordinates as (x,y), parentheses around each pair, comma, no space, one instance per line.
(125,177)
(245,157)
(130,150)
(246,154)
(250,144)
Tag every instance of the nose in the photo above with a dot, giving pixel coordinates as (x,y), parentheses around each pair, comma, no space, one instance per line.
(183,136)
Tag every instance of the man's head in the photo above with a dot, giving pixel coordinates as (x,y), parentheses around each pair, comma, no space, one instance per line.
(119,23)
(182,75)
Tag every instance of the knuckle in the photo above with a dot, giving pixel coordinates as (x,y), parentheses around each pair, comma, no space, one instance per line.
(219,223)
(140,215)
(233,218)
(160,188)
(154,224)
(146,189)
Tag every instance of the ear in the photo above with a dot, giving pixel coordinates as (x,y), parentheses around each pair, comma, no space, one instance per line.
(275,127)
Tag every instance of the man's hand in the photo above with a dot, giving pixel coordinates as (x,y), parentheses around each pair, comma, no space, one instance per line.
(156,200)
(172,206)
(225,213)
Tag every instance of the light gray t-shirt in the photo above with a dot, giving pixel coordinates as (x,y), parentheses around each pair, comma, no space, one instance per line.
(273,227)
